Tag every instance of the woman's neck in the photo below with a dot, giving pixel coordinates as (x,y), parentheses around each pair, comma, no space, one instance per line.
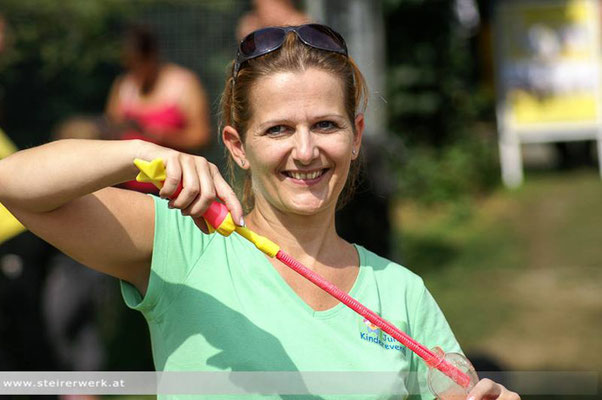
(300,235)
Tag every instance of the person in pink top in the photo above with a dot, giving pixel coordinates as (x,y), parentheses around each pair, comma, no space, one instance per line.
(158,102)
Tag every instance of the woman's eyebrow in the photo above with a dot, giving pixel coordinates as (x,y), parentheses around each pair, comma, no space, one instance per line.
(327,116)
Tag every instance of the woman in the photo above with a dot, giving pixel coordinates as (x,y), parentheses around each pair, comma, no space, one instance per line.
(292,121)
(155,101)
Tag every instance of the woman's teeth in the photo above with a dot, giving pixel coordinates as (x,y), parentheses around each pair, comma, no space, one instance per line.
(305,176)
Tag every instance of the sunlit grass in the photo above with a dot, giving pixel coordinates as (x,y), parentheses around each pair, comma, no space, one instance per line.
(517,273)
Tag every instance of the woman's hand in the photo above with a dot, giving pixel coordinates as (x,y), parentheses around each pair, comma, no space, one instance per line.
(202,184)
(487,389)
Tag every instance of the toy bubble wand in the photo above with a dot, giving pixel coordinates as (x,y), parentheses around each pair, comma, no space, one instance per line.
(451,376)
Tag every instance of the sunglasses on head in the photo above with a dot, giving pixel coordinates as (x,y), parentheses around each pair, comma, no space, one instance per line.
(266,40)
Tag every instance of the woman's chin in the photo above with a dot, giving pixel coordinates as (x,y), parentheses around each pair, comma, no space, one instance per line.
(308,207)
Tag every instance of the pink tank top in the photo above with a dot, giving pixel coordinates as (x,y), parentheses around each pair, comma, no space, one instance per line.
(168,118)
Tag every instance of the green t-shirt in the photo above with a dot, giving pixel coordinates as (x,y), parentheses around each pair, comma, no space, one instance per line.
(216,303)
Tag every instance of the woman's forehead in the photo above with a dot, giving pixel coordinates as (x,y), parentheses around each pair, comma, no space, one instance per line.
(305,93)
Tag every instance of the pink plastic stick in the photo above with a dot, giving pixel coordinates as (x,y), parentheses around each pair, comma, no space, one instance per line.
(427,355)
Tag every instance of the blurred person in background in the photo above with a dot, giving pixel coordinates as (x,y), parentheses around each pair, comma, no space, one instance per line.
(158,102)
(269,13)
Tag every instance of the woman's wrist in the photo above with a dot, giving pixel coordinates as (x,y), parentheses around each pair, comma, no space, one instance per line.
(146,151)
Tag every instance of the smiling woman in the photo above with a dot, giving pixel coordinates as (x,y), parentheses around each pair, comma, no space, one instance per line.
(292,120)
(299,144)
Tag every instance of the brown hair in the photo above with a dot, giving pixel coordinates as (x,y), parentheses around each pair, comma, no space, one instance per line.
(235,107)
(142,41)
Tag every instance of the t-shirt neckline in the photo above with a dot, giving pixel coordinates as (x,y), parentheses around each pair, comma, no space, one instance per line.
(324,314)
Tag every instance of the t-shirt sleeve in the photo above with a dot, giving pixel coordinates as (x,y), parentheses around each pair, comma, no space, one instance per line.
(430,328)
(178,244)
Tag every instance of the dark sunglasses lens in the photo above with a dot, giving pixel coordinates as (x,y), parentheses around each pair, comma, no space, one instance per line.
(322,37)
(261,42)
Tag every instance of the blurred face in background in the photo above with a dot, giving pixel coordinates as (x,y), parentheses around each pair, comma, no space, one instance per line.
(141,66)
(141,56)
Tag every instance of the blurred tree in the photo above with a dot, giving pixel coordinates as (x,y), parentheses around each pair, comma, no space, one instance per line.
(433,85)
(60,59)
(437,100)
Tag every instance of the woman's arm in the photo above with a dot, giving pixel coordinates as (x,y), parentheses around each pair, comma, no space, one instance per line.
(44,178)
(59,191)
(56,191)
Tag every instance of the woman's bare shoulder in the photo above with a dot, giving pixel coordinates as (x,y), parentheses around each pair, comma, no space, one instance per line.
(177,72)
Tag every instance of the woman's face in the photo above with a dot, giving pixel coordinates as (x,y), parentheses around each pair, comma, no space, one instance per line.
(300,141)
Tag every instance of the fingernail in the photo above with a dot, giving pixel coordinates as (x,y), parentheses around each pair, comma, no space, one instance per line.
(242,221)
(471,398)
(169,205)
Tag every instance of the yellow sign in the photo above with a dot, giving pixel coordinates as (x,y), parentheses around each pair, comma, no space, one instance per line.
(549,61)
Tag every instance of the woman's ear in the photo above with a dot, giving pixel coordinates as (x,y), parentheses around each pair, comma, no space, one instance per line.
(235,146)
(357,137)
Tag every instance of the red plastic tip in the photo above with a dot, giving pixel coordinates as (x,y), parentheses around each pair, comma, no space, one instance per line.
(215,214)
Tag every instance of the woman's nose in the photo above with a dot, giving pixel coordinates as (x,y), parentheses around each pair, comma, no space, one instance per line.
(305,147)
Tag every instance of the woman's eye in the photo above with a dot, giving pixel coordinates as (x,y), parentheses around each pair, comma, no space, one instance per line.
(326,125)
(276,130)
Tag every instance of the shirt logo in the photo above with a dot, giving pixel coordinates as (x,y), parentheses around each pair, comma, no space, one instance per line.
(372,334)
(371,327)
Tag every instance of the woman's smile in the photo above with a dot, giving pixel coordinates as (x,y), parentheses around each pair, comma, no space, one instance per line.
(306,178)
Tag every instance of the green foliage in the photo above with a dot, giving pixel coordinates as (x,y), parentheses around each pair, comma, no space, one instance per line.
(435,100)
(61,59)
(450,173)
(70,34)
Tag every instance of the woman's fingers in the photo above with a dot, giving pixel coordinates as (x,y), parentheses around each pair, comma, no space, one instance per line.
(202,185)
(173,171)
(190,184)
(487,389)
(206,194)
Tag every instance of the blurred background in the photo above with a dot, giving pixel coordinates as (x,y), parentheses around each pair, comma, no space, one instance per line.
(482,161)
